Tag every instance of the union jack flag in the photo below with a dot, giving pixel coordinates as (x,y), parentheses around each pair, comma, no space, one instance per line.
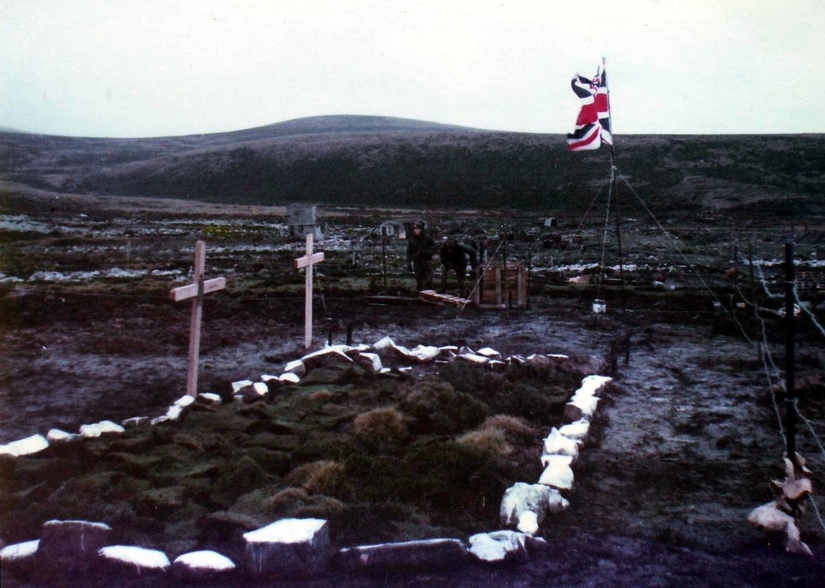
(593,123)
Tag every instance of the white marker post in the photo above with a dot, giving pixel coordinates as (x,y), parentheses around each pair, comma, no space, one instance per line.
(196,291)
(308,261)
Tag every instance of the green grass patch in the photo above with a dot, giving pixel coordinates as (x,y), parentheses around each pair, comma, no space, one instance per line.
(381,458)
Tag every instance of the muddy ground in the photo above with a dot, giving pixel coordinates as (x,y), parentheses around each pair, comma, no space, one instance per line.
(683,448)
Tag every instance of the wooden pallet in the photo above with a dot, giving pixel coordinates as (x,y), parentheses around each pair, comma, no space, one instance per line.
(434,297)
(502,287)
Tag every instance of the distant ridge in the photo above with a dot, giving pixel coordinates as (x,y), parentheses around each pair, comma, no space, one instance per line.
(11,130)
(346,123)
(313,125)
(351,160)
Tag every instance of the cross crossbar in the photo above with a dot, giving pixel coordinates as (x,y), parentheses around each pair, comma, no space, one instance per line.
(191,290)
(312,260)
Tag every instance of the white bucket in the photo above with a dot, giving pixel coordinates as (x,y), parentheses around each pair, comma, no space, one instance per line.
(599,306)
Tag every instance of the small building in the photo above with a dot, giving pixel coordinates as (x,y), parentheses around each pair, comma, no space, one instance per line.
(393,228)
(302,221)
(398,228)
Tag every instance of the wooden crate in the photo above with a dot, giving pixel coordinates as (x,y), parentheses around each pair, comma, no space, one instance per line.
(501,287)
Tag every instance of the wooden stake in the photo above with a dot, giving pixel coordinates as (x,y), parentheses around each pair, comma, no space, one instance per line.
(196,291)
(308,261)
(791,414)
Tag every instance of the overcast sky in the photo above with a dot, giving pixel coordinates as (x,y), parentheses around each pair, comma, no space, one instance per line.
(138,68)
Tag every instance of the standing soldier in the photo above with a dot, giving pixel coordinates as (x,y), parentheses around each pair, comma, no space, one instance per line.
(454,256)
(420,251)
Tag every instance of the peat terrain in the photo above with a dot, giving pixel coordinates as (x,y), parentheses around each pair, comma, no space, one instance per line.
(684,443)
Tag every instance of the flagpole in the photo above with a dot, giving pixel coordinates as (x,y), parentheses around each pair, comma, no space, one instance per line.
(615,191)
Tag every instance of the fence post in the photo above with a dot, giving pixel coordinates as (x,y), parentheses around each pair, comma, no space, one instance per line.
(790,390)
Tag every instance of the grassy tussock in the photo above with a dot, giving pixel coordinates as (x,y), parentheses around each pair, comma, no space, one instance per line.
(321,477)
(380,426)
(513,426)
(489,440)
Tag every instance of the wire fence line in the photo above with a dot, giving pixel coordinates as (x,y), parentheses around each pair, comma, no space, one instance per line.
(772,371)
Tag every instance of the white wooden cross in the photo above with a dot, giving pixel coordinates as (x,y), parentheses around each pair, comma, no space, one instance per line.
(307,261)
(196,291)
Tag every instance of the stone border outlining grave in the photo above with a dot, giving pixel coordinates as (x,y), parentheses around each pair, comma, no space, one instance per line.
(300,548)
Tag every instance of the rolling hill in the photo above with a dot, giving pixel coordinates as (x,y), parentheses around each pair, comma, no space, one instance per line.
(380,161)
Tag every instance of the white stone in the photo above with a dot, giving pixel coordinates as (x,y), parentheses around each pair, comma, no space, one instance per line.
(58,435)
(340,348)
(56,523)
(464,349)
(371,361)
(19,551)
(286,531)
(592,385)
(425,353)
(425,553)
(296,367)
(383,344)
(289,378)
(581,407)
(489,353)
(25,446)
(528,522)
(526,505)
(203,563)
(240,384)
(577,430)
(206,559)
(289,548)
(324,356)
(557,472)
(499,546)
(497,365)
(184,401)
(261,388)
(474,358)
(98,429)
(133,422)
(68,541)
(173,412)
(557,444)
(210,397)
(140,557)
